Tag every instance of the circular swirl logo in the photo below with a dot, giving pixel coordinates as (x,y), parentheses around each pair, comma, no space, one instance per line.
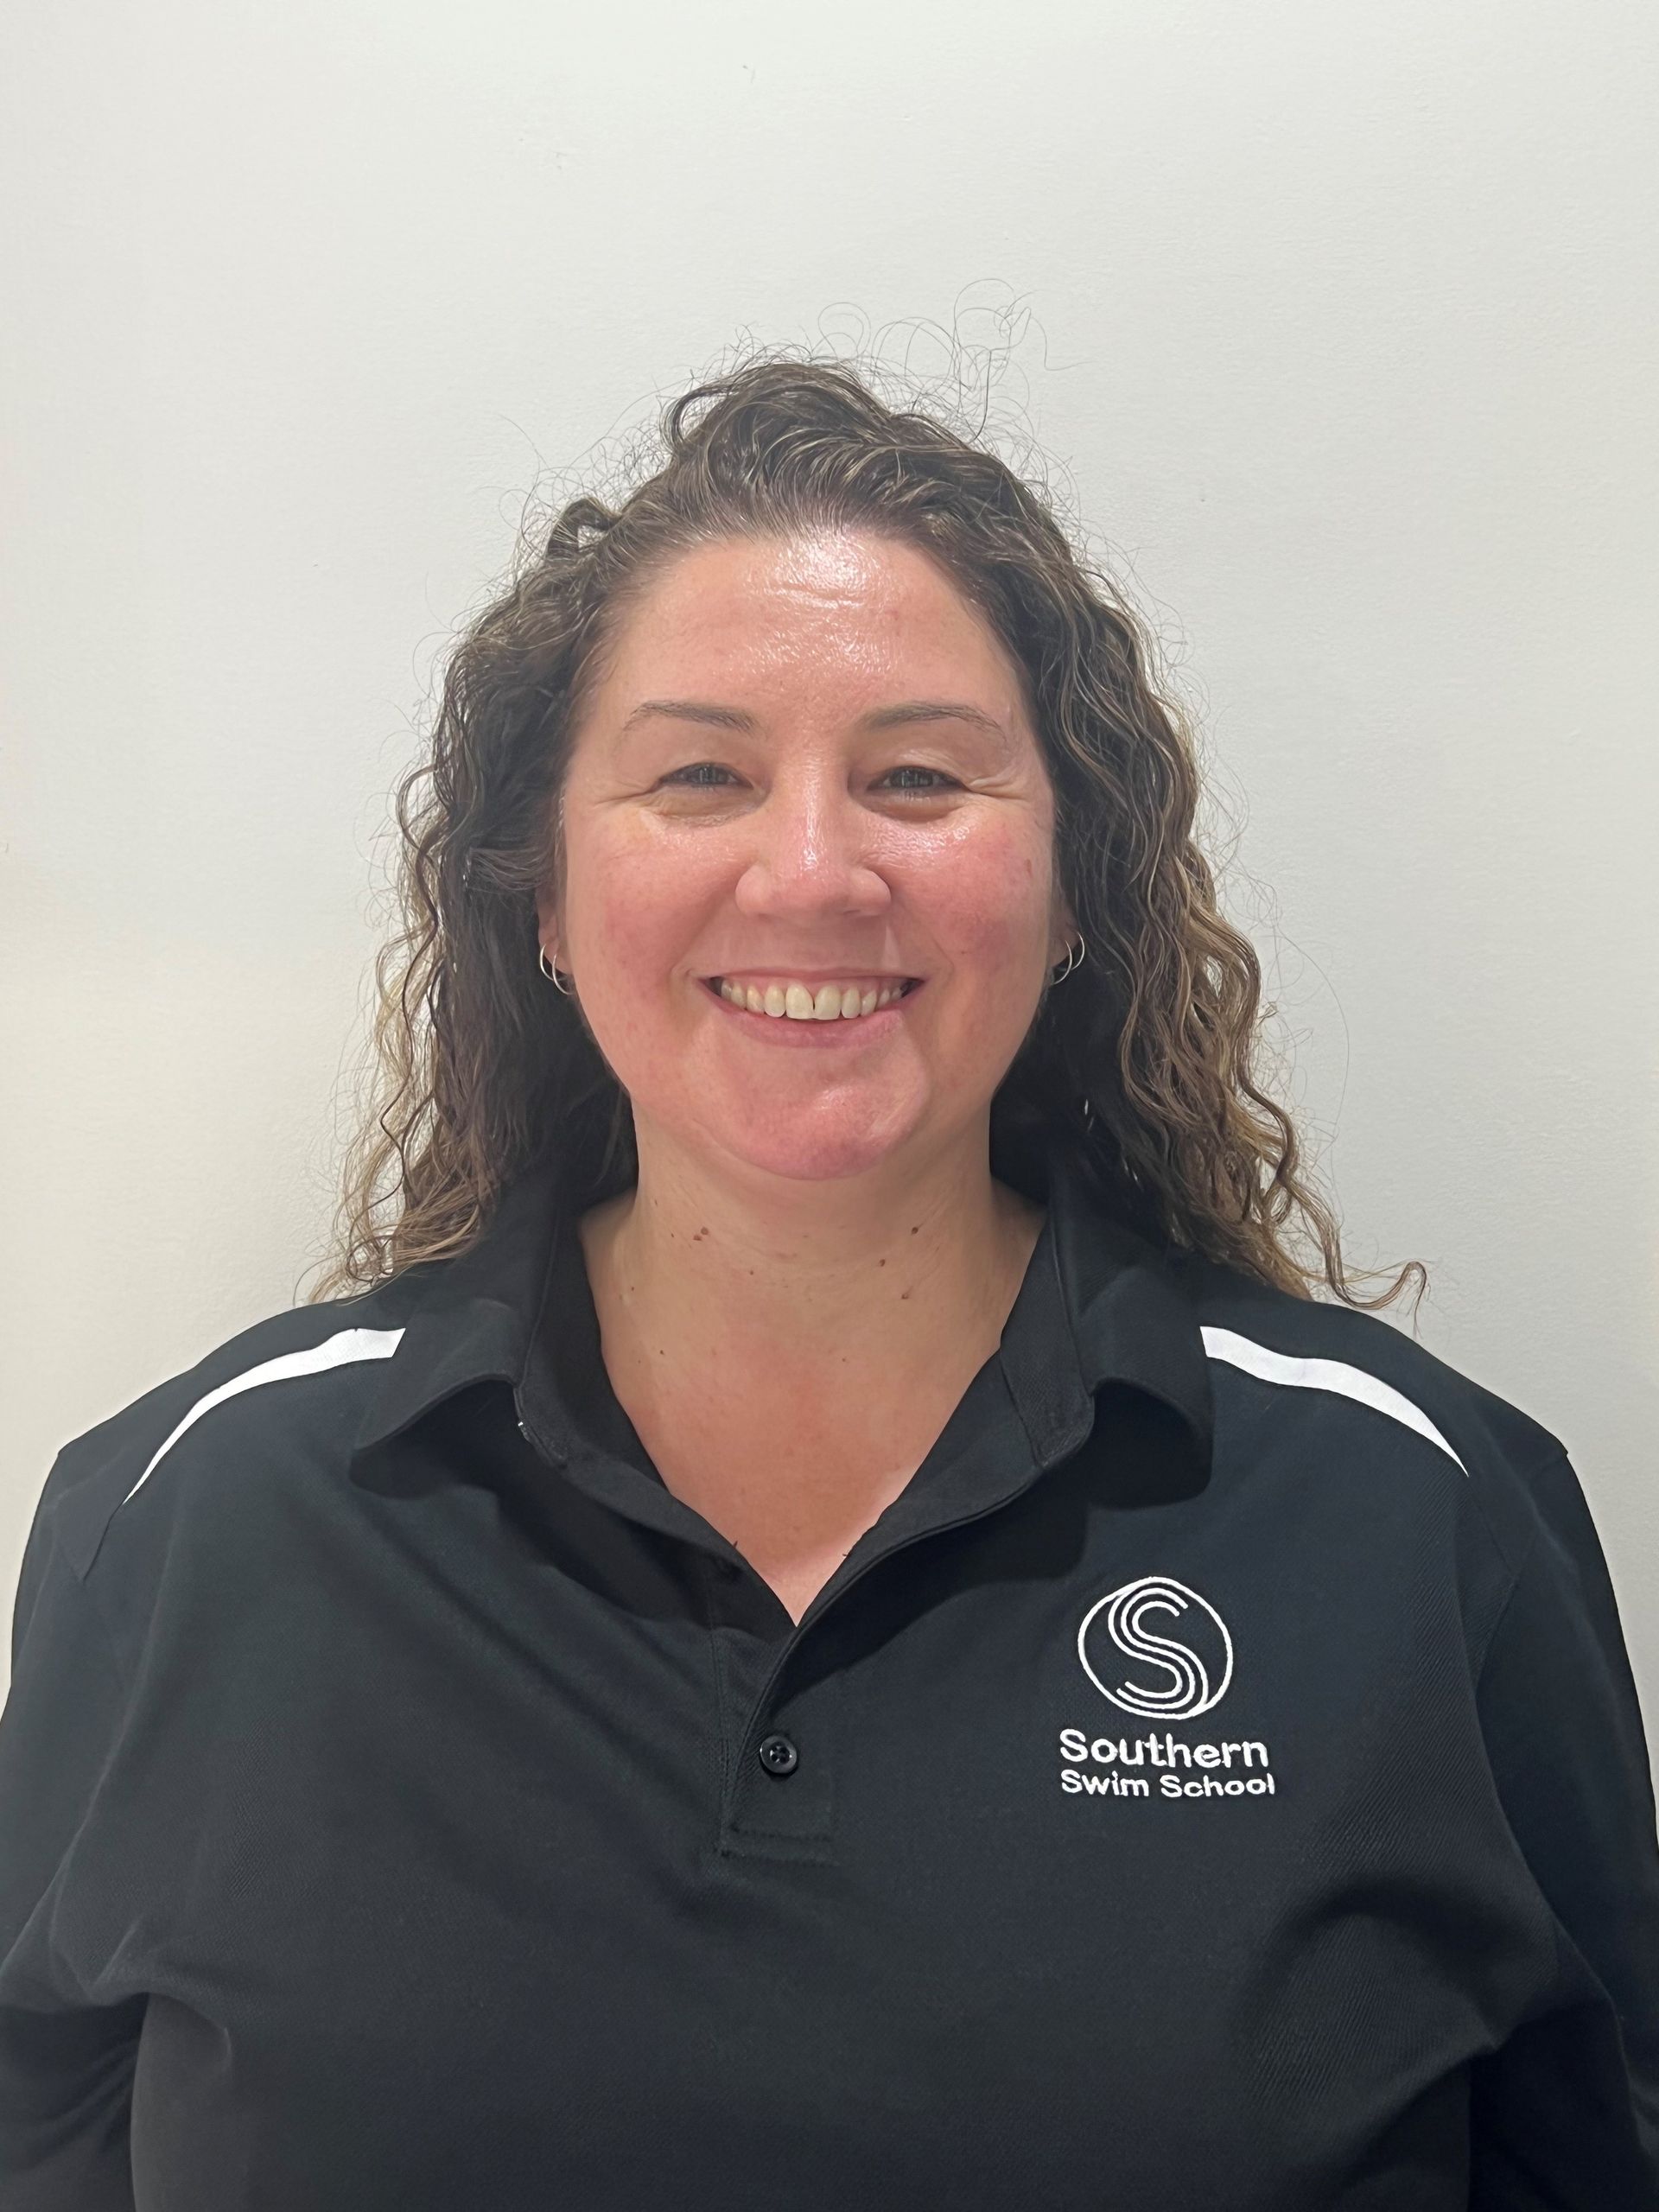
(1200,1670)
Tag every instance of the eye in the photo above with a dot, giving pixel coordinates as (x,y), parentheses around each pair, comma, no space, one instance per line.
(925,791)
(689,775)
(694,778)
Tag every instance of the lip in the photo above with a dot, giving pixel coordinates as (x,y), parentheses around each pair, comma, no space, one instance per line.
(823,974)
(815,1036)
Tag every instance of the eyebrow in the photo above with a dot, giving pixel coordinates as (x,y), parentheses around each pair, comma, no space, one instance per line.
(907,710)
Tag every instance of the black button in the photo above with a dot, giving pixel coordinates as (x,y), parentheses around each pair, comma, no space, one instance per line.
(778,1755)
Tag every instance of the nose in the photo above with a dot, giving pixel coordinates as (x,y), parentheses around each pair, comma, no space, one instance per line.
(809,849)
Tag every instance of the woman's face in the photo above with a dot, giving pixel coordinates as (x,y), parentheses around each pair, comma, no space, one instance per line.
(809,822)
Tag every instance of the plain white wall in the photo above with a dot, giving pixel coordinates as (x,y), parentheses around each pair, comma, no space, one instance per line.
(1336,326)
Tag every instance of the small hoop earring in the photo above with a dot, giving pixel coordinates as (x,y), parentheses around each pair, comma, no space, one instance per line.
(552,974)
(1071,962)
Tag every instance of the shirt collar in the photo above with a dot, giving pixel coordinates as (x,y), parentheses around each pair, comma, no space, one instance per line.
(1100,1306)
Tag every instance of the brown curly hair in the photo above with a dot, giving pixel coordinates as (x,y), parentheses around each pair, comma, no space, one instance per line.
(1142,1068)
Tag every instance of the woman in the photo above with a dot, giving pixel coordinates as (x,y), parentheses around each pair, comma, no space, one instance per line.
(823,1618)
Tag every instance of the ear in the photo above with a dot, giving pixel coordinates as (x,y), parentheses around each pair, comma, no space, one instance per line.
(547,915)
(1067,932)
(547,904)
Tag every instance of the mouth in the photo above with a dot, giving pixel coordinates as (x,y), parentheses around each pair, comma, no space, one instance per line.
(825,1029)
(910,982)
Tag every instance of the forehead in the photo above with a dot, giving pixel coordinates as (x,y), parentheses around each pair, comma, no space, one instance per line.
(844,604)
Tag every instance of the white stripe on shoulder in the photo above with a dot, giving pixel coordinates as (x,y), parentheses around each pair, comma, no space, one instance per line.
(338,1351)
(1322,1375)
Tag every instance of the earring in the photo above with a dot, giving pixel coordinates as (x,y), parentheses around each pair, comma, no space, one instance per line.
(552,974)
(1071,962)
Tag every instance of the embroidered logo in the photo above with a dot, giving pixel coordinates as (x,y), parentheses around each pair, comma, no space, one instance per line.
(1201,1670)
(1167,1677)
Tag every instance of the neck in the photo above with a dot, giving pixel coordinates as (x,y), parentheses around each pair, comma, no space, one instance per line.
(808,1295)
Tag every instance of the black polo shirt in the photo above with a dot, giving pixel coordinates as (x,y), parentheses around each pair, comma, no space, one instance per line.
(1217,1782)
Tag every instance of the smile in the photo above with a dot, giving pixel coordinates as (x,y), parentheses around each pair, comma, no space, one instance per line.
(783,1000)
(791,1014)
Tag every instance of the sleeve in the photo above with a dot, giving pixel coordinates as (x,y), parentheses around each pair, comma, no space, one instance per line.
(66,2061)
(1565,2114)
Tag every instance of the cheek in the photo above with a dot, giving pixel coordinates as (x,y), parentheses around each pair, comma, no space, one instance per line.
(636,909)
(985,900)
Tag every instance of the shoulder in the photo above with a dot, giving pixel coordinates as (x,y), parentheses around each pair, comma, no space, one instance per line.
(1289,1366)
(290,1387)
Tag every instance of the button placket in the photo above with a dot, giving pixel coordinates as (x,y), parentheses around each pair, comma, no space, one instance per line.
(781,1792)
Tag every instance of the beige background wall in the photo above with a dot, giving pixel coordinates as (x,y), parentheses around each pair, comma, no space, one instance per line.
(1337,325)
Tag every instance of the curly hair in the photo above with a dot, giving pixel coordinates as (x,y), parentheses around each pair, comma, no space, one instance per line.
(1142,1068)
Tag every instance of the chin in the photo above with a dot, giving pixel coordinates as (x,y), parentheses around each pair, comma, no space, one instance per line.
(821,1155)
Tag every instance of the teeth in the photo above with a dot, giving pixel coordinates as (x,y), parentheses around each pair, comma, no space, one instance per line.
(794,1003)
